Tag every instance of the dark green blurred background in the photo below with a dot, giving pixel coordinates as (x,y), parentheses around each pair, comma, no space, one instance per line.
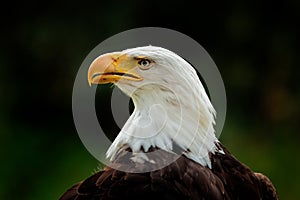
(255,45)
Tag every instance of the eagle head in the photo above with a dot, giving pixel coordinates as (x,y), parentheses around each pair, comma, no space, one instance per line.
(171,105)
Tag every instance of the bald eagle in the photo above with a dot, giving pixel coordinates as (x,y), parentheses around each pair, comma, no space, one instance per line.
(173,119)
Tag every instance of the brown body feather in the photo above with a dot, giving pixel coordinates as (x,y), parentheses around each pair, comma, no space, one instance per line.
(182,179)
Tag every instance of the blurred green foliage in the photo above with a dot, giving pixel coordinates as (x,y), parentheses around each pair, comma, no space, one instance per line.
(255,45)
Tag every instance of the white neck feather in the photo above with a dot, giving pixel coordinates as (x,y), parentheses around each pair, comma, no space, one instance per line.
(154,123)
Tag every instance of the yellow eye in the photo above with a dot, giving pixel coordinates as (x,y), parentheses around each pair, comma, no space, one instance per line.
(144,63)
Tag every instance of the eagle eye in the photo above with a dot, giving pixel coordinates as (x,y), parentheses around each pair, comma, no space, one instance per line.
(144,63)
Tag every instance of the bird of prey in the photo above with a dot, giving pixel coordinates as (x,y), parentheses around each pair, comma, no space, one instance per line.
(173,119)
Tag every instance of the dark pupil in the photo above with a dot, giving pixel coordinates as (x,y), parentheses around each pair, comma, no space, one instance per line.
(144,62)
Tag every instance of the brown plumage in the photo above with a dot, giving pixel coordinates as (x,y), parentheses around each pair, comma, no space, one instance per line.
(182,179)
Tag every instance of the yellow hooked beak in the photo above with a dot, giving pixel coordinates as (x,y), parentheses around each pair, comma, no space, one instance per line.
(111,67)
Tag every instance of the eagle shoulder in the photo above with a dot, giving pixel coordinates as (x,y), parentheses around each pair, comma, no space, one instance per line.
(182,179)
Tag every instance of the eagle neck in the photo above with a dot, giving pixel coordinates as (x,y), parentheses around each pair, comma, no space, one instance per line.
(161,119)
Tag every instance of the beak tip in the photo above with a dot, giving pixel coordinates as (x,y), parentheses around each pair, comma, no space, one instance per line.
(89,82)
